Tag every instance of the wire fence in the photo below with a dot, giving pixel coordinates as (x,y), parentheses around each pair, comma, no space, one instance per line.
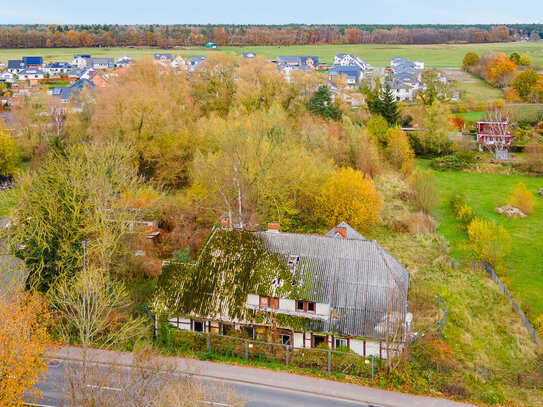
(441,323)
(490,271)
(211,345)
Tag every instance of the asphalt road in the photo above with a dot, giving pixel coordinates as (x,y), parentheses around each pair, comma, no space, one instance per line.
(256,395)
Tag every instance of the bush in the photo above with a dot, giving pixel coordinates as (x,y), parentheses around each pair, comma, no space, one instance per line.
(420,223)
(427,194)
(457,202)
(488,241)
(522,199)
(465,216)
(449,163)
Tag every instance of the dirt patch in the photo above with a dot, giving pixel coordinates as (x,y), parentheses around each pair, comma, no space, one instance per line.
(457,74)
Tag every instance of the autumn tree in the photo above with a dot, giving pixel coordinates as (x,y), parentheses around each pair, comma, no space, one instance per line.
(524,83)
(24,324)
(349,196)
(525,60)
(399,151)
(522,198)
(470,60)
(500,70)
(378,128)
(9,154)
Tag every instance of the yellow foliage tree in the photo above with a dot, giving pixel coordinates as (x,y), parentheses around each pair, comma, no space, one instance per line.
(9,155)
(522,199)
(500,70)
(349,196)
(399,152)
(488,241)
(24,345)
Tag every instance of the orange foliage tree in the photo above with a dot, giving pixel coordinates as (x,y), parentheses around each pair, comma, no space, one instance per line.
(349,196)
(500,70)
(25,341)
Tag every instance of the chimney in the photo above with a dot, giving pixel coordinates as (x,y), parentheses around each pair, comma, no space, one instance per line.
(340,231)
(225,224)
(273,227)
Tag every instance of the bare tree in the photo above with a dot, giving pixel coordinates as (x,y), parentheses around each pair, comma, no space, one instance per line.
(498,127)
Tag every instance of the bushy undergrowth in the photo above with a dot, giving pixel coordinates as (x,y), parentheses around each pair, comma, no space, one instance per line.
(450,163)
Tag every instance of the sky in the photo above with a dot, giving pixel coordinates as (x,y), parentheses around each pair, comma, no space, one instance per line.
(271,12)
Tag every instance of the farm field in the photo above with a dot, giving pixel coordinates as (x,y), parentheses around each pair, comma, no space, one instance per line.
(485,192)
(436,55)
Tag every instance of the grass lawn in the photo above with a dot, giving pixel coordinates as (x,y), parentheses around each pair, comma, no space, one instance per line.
(437,55)
(485,192)
(471,116)
(479,89)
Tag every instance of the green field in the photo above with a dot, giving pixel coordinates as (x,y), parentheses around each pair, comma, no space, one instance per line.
(485,192)
(441,55)
(480,90)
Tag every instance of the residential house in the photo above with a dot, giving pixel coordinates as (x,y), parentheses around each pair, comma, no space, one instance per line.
(494,133)
(101,63)
(68,93)
(76,73)
(405,78)
(338,289)
(81,60)
(296,60)
(33,62)
(96,79)
(350,60)
(403,61)
(352,74)
(31,74)
(163,59)
(178,62)
(248,55)
(16,66)
(7,76)
(124,61)
(58,68)
(194,62)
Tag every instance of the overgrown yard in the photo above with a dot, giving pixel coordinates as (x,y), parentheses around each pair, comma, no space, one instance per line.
(485,192)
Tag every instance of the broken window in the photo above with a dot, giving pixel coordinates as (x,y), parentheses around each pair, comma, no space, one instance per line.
(198,326)
(285,339)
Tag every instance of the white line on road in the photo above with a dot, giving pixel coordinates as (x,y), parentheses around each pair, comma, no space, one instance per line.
(38,405)
(93,386)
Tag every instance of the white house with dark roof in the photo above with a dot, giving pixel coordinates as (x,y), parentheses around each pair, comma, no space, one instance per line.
(348,291)
(81,60)
(249,55)
(31,74)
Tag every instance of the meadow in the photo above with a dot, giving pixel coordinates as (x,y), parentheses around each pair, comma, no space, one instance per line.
(484,193)
(435,55)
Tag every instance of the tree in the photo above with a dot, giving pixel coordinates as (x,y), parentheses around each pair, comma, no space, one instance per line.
(488,241)
(470,60)
(387,107)
(399,150)
(77,202)
(522,199)
(524,82)
(500,70)
(24,323)
(349,196)
(377,127)
(515,57)
(9,154)
(525,60)
(321,104)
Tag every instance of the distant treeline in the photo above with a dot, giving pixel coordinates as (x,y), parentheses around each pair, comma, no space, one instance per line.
(167,36)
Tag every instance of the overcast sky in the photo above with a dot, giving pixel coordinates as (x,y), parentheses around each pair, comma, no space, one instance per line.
(271,11)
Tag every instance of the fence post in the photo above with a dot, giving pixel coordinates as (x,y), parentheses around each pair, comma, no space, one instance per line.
(208,343)
(372,376)
(453,264)
(246,349)
(329,360)
(287,348)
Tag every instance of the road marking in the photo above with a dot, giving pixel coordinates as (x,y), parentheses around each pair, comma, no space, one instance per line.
(93,386)
(38,405)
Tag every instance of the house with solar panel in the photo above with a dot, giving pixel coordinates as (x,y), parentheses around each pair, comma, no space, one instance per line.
(338,290)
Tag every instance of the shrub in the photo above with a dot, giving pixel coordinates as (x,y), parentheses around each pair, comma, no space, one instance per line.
(349,196)
(449,163)
(420,223)
(470,60)
(465,216)
(457,202)
(522,199)
(427,195)
(377,127)
(488,241)
(533,157)
(399,150)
